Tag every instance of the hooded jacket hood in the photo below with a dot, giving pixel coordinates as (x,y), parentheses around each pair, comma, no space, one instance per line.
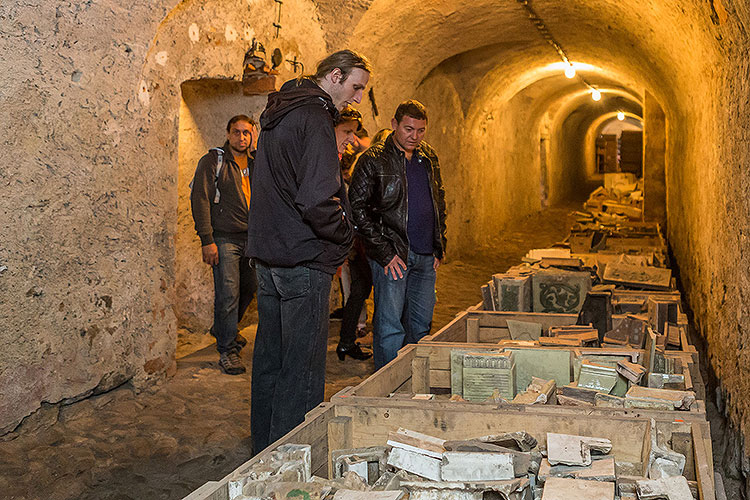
(293,94)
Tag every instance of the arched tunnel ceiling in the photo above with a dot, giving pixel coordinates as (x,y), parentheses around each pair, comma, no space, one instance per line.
(639,44)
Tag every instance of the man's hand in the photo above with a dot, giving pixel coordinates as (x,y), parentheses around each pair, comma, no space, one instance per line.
(436,264)
(394,268)
(210,254)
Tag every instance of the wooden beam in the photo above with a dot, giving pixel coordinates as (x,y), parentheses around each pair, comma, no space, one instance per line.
(420,375)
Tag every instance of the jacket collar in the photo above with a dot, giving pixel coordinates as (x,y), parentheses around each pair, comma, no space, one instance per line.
(228,154)
(390,143)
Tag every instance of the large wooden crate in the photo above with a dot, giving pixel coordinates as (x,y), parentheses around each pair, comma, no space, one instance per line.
(425,368)
(478,326)
(356,424)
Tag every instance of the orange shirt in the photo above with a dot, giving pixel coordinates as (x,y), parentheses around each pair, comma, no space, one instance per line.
(242,162)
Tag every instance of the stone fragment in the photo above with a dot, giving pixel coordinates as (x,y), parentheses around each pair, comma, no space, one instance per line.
(524,330)
(631,371)
(374,459)
(597,310)
(658,399)
(560,342)
(513,292)
(485,373)
(457,369)
(415,463)
(661,312)
(674,335)
(513,489)
(666,380)
(574,450)
(631,330)
(539,391)
(597,376)
(599,470)
(645,277)
(557,488)
(579,393)
(663,462)
(367,495)
(542,363)
(556,291)
(519,440)
(669,488)
(477,466)
(608,401)
(416,442)
(488,297)
(572,401)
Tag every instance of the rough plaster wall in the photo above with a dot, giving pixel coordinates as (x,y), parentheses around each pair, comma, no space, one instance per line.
(89,143)
(205,110)
(707,203)
(654,161)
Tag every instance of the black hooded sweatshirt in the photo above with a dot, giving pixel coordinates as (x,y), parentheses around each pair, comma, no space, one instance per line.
(299,212)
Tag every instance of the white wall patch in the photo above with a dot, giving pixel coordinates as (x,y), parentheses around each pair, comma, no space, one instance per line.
(230,33)
(194,32)
(161,58)
(143,95)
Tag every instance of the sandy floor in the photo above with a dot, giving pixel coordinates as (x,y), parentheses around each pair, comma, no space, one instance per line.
(164,443)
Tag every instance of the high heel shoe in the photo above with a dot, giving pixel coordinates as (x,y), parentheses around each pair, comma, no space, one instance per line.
(354,350)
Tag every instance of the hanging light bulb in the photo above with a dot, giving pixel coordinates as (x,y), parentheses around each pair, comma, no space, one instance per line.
(596,95)
(620,115)
(570,71)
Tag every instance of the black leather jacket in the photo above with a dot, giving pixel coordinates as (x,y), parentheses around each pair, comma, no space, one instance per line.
(378,197)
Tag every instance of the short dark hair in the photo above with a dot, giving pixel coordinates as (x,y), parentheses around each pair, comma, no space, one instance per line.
(240,118)
(349,114)
(345,60)
(411,108)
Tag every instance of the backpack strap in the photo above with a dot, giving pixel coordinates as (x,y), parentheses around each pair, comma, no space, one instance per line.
(219,164)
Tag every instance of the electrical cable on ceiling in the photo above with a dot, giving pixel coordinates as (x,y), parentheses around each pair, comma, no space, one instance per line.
(547,36)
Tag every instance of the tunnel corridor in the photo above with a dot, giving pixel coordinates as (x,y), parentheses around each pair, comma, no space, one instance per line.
(99,266)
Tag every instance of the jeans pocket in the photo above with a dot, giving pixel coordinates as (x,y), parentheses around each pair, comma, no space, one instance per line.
(291,282)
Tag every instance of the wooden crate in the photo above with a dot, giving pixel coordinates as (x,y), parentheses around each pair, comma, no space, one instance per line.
(424,368)
(361,424)
(477,326)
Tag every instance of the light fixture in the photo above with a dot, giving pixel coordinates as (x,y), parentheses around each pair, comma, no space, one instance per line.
(570,71)
(596,95)
(620,115)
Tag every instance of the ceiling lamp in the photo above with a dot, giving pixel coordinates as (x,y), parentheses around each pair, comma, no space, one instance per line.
(570,71)
(596,95)
(620,115)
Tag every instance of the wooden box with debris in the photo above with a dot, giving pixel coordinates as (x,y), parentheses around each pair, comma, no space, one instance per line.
(627,331)
(358,450)
(568,381)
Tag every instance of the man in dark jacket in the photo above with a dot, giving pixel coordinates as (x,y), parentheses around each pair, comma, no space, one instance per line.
(299,233)
(219,201)
(398,206)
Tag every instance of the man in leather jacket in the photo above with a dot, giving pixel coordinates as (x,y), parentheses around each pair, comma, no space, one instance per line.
(398,207)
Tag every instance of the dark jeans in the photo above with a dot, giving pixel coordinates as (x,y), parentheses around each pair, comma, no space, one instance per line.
(289,362)
(403,307)
(234,287)
(361,277)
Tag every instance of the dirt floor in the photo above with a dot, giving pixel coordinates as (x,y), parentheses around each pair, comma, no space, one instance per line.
(164,443)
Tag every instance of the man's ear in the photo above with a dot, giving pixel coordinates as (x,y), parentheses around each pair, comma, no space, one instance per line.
(394,124)
(335,75)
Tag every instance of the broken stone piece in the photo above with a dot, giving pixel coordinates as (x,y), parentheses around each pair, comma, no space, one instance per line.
(416,442)
(608,401)
(481,466)
(416,463)
(631,371)
(367,495)
(572,401)
(597,376)
(374,459)
(540,391)
(574,450)
(558,488)
(513,489)
(485,373)
(662,380)
(519,440)
(659,399)
(663,462)
(670,488)
(524,330)
(599,470)
(582,394)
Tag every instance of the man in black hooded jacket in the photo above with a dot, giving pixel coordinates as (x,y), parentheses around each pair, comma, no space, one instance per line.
(299,233)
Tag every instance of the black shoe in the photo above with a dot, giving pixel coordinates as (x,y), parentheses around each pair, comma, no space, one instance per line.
(354,351)
(230,363)
(241,341)
(337,313)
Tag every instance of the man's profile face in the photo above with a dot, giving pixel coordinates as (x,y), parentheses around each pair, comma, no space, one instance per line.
(240,136)
(346,133)
(409,132)
(350,90)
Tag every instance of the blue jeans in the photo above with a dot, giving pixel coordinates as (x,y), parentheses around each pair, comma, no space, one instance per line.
(403,307)
(289,362)
(234,287)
